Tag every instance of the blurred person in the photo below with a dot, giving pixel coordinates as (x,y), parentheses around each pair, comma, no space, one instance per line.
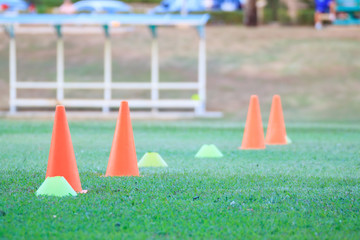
(4,7)
(321,7)
(32,7)
(67,7)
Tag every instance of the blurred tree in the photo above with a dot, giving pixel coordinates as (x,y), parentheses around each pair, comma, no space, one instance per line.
(250,13)
(310,4)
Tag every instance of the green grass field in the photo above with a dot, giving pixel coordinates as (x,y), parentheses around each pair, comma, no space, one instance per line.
(307,190)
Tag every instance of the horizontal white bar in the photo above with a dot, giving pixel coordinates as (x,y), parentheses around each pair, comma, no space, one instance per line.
(68,30)
(165,103)
(101,85)
(52,85)
(187,85)
(138,85)
(161,85)
(98,85)
(173,115)
(36,85)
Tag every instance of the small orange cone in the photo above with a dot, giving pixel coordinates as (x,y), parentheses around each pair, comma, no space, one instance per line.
(276,131)
(62,160)
(253,134)
(123,161)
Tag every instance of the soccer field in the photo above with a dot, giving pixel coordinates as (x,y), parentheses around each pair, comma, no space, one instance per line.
(308,189)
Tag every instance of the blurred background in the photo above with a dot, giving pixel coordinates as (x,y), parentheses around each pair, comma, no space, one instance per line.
(257,47)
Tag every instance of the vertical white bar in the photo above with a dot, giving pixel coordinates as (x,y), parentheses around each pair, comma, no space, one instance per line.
(202,76)
(12,75)
(184,7)
(60,70)
(107,74)
(154,72)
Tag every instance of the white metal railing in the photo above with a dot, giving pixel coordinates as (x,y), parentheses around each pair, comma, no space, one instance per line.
(155,103)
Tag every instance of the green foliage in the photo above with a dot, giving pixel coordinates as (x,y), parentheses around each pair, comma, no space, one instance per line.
(310,4)
(306,17)
(306,190)
(268,15)
(272,8)
(41,9)
(220,17)
(226,17)
(48,3)
(282,16)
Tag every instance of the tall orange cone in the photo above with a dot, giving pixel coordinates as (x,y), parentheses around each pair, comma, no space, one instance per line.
(253,134)
(276,131)
(123,161)
(62,160)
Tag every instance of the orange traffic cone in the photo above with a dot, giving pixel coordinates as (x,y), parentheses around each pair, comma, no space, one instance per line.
(62,160)
(253,134)
(276,131)
(123,161)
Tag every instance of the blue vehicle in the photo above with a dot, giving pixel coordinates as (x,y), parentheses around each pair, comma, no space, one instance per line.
(197,5)
(177,5)
(228,5)
(14,5)
(108,6)
(351,9)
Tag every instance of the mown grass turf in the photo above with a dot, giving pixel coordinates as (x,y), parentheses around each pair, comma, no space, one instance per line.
(309,189)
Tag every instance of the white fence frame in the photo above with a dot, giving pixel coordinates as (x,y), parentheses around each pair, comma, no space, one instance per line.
(155,103)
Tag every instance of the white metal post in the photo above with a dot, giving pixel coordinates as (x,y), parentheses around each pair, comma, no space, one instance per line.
(59,65)
(184,7)
(60,70)
(154,68)
(12,70)
(107,70)
(202,72)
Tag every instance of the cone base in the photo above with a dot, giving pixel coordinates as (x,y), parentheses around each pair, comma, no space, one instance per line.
(153,160)
(209,151)
(57,187)
(115,175)
(276,143)
(247,148)
(286,141)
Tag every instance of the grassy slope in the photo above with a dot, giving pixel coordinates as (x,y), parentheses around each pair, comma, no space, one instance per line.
(307,189)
